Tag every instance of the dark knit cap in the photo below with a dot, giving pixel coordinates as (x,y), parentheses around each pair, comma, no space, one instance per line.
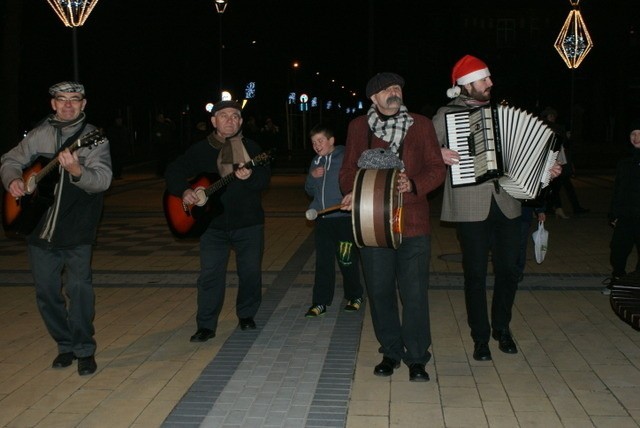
(382,81)
(635,124)
(226,104)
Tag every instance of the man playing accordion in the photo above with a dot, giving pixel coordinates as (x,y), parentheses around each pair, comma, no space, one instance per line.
(487,221)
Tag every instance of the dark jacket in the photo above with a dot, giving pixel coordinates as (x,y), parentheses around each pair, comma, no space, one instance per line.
(240,200)
(626,191)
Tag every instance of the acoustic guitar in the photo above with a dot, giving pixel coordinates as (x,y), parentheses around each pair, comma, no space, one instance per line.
(20,216)
(190,221)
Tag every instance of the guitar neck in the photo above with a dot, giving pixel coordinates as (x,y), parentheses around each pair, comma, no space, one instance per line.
(225,180)
(53,163)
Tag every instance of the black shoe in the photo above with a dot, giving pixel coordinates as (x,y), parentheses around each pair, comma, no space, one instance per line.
(87,365)
(202,335)
(505,341)
(386,367)
(581,210)
(481,351)
(417,373)
(247,323)
(63,360)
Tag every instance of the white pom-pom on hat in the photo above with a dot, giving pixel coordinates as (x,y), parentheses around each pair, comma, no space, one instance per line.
(453,91)
(467,70)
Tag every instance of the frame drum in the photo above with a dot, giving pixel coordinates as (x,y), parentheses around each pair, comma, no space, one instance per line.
(377,208)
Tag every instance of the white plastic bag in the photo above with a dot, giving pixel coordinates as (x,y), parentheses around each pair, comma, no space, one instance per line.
(540,241)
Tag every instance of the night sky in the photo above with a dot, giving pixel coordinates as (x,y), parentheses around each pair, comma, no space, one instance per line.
(163,55)
(166,53)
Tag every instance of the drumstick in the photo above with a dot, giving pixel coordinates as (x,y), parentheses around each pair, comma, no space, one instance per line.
(312,214)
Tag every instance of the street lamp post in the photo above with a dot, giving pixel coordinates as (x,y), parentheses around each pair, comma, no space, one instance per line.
(292,102)
(221,6)
(73,14)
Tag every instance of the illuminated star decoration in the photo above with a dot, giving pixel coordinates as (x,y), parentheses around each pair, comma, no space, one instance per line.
(73,13)
(574,42)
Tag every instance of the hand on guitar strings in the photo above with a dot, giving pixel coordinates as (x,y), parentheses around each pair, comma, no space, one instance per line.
(190,197)
(69,161)
(17,188)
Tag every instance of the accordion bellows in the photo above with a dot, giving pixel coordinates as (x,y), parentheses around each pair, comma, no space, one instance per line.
(503,143)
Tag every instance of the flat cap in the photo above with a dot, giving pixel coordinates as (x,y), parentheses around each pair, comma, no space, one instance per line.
(66,87)
(226,104)
(382,81)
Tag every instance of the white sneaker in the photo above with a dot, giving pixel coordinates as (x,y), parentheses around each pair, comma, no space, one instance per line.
(560,214)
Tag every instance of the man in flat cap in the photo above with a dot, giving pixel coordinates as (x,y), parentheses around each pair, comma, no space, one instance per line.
(388,272)
(236,216)
(62,238)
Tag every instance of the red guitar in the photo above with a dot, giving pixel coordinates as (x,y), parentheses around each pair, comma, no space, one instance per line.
(20,216)
(190,221)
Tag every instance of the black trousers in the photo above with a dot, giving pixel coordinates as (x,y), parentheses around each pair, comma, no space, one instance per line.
(334,241)
(626,235)
(500,237)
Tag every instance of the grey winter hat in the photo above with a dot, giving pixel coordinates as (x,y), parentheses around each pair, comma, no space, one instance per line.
(379,159)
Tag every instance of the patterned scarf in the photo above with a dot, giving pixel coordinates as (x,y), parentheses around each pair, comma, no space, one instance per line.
(391,129)
(472,102)
(232,152)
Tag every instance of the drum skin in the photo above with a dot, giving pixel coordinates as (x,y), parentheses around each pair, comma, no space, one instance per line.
(377,208)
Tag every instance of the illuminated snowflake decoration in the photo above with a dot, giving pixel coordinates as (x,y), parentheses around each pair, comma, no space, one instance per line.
(574,42)
(250,90)
(73,13)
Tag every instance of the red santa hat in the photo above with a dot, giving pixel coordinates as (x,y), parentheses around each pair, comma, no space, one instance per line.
(468,69)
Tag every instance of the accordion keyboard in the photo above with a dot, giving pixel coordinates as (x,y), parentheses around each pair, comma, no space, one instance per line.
(457,136)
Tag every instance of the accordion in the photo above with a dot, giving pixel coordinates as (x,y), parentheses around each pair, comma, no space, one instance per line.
(503,143)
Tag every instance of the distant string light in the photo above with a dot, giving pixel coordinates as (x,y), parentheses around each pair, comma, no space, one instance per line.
(73,13)
(574,42)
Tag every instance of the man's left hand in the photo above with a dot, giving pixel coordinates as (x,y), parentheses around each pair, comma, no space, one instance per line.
(555,170)
(243,173)
(69,161)
(404,184)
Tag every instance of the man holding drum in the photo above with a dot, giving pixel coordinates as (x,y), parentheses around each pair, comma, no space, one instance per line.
(403,270)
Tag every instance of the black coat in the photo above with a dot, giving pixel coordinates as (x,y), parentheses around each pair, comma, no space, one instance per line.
(626,191)
(240,200)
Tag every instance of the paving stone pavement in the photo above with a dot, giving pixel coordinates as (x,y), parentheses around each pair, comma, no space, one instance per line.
(297,372)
